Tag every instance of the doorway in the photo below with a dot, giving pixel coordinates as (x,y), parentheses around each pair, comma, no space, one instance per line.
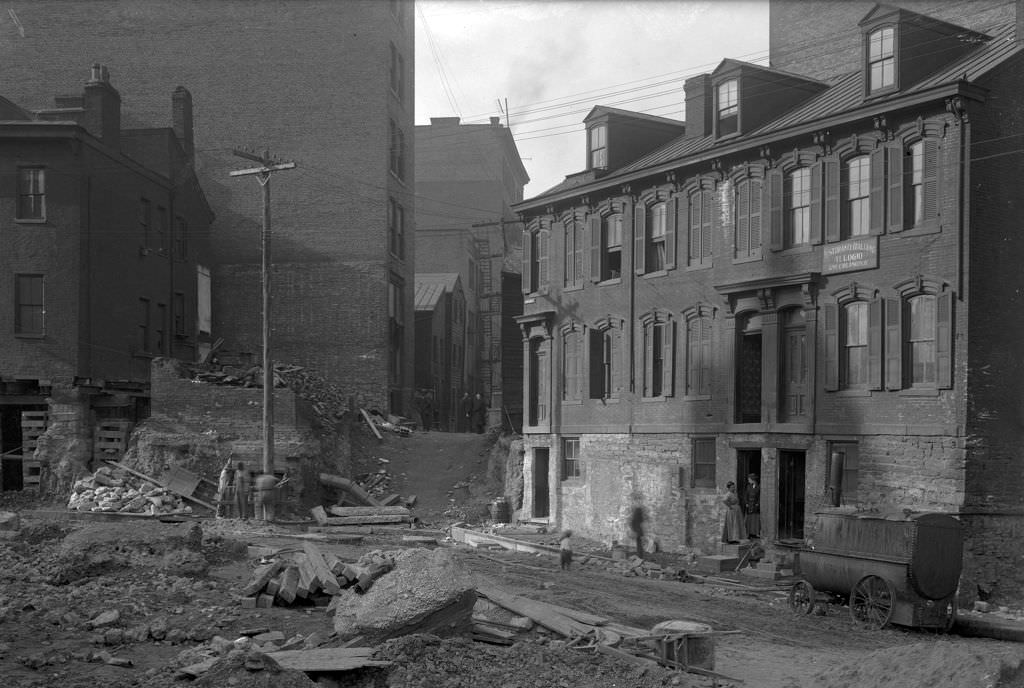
(791,495)
(748,461)
(541,504)
(748,372)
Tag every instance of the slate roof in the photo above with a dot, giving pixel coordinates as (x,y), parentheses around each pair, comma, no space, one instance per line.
(845,96)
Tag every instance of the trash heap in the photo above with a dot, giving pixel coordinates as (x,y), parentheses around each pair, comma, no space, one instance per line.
(114,491)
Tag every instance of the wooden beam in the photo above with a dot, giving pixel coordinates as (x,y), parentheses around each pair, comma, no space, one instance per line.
(369,510)
(327,659)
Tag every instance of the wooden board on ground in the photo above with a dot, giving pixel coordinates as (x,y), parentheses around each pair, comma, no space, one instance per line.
(366,520)
(545,615)
(289,585)
(140,474)
(368,511)
(261,576)
(369,421)
(327,659)
(319,515)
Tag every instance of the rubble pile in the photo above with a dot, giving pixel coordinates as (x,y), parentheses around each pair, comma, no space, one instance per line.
(111,490)
(377,485)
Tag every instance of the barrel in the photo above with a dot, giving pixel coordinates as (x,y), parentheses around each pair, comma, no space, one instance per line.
(688,643)
(501,511)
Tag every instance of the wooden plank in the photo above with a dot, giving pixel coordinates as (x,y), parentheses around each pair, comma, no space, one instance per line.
(319,515)
(327,659)
(289,584)
(335,564)
(368,511)
(369,421)
(363,520)
(391,499)
(328,582)
(177,479)
(540,612)
(308,581)
(350,487)
(261,576)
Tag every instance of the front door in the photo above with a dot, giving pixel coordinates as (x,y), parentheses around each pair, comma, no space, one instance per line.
(541,504)
(791,495)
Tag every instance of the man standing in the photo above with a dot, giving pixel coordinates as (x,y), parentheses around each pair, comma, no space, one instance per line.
(466,408)
(479,413)
(752,502)
(637,517)
(241,491)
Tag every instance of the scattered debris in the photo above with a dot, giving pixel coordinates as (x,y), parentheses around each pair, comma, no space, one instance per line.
(113,490)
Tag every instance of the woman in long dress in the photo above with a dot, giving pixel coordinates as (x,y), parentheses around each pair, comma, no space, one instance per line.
(732,532)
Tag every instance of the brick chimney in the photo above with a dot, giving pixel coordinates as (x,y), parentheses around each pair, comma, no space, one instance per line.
(181,117)
(698,105)
(102,107)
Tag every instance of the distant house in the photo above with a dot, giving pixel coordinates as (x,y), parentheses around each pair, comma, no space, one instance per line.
(105,263)
(467,178)
(814,282)
(440,335)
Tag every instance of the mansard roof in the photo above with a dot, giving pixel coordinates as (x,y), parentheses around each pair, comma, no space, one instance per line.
(842,101)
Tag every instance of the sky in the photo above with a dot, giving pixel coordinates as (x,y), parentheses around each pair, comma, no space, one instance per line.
(542,65)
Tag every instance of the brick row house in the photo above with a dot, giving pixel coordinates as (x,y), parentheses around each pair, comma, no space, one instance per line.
(326,84)
(812,280)
(105,263)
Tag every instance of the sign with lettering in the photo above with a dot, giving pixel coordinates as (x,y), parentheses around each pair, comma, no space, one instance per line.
(853,254)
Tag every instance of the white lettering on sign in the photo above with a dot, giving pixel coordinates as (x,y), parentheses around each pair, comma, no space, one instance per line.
(855,254)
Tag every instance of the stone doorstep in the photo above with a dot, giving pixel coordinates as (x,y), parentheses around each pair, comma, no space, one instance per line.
(734,550)
(716,563)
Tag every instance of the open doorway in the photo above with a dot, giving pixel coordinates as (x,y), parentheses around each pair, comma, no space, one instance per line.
(541,503)
(748,461)
(791,494)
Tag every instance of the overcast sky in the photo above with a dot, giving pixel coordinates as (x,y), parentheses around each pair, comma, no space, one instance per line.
(554,60)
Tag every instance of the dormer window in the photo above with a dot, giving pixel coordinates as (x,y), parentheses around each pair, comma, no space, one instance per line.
(599,147)
(881,59)
(728,107)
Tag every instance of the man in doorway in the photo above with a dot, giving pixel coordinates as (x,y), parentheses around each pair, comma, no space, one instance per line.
(752,506)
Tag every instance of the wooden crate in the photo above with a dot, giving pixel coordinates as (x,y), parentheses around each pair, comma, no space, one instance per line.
(111,437)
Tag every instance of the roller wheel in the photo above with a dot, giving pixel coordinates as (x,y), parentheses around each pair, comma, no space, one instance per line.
(871,602)
(801,597)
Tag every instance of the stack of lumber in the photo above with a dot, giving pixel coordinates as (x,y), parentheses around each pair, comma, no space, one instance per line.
(110,490)
(305,576)
(361,515)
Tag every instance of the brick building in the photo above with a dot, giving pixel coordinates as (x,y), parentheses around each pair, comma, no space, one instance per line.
(440,350)
(105,260)
(325,84)
(812,283)
(467,178)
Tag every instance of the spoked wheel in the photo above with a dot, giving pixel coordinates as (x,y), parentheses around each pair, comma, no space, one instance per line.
(871,602)
(801,597)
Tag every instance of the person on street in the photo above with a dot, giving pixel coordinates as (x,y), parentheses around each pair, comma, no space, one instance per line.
(565,549)
(479,414)
(241,491)
(466,408)
(637,518)
(733,530)
(224,482)
(752,504)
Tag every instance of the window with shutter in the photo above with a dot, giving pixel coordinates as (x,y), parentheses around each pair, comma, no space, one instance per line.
(856,219)
(699,252)
(748,220)
(698,356)
(658,347)
(604,352)
(572,364)
(798,208)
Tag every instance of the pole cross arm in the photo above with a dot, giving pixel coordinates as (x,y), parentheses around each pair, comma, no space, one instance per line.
(262,170)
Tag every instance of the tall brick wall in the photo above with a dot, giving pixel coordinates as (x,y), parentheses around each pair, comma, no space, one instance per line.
(821,39)
(310,82)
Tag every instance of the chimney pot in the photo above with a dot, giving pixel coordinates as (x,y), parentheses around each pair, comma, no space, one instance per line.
(495,121)
(95,75)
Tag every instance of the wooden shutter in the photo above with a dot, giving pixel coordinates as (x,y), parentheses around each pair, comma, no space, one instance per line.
(754,188)
(706,219)
(930,179)
(694,228)
(875,332)
(742,230)
(639,237)
(528,285)
(773,189)
(816,204)
(705,356)
(672,210)
(893,344)
(944,340)
(691,373)
(596,247)
(627,226)
(876,197)
(831,344)
(668,358)
(896,190)
(648,333)
(831,192)
(617,359)
(579,250)
(543,245)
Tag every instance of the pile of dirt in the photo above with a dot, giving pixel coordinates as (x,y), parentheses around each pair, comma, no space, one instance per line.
(940,664)
(426,661)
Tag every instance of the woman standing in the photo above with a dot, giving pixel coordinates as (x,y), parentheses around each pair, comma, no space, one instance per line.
(732,531)
(753,504)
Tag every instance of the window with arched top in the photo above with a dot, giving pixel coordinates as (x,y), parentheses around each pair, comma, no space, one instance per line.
(853,332)
(747,236)
(572,362)
(794,373)
(605,357)
(699,352)
(797,221)
(654,232)
(856,194)
(536,239)
(658,341)
(919,336)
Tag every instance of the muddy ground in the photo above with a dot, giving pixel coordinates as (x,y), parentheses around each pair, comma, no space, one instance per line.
(127,603)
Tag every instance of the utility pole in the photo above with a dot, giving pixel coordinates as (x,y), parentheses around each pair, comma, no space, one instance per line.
(267,166)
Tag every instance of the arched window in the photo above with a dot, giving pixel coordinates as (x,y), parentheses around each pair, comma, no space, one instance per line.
(856,186)
(605,356)
(747,240)
(698,353)
(659,354)
(798,208)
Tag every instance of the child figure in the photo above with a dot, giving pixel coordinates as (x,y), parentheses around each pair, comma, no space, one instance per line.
(565,549)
